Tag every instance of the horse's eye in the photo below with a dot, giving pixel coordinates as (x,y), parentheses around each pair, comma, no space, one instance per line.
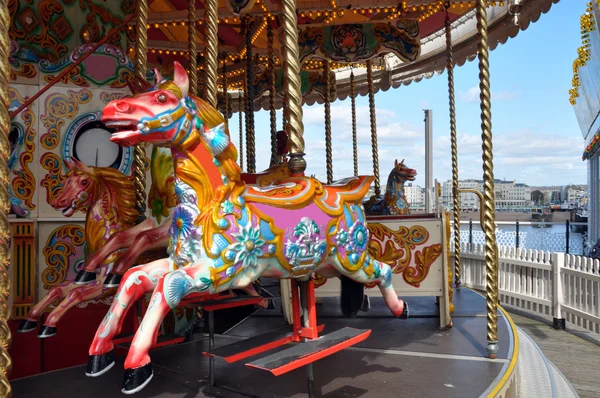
(162,98)
(84,182)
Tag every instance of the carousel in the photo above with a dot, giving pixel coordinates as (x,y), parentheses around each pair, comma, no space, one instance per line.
(145,254)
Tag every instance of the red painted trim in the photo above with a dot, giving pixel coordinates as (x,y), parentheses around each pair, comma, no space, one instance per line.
(316,356)
(296,310)
(255,350)
(175,340)
(222,306)
(400,218)
(311,332)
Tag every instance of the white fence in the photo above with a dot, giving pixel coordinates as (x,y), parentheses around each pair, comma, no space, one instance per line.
(555,284)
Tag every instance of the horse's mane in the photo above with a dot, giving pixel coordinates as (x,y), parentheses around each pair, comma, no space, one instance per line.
(123,192)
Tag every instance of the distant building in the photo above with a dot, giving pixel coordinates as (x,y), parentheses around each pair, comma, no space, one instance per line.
(555,197)
(509,194)
(415,195)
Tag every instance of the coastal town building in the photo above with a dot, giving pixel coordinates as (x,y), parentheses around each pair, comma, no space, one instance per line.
(509,194)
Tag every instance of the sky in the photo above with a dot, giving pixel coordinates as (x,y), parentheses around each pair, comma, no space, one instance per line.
(536,137)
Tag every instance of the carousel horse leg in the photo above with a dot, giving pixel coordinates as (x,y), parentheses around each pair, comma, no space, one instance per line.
(56,293)
(138,281)
(147,240)
(169,292)
(382,277)
(76,296)
(117,241)
(252,292)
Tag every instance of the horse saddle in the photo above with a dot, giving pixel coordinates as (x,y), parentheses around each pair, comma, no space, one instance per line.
(299,192)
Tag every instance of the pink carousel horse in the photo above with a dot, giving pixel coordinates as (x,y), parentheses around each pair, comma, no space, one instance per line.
(296,229)
(109,197)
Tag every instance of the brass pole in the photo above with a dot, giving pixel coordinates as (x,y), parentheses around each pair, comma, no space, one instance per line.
(140,72)
(225,90)
(250,149)
(192,47)
(354,140)
(211,42)
(5,335)
(328,154)
(291,67)
(454,147)
(373,126)
(246,119)
(272,111)
(489,205)
(241,150)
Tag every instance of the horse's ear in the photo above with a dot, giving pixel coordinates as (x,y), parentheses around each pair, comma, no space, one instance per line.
(81,166)
(395,162)
(402,162)
(180,78)
(70,166)
(159,77)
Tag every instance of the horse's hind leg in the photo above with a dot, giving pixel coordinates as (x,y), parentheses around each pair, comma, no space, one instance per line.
(382,277)
(56,293)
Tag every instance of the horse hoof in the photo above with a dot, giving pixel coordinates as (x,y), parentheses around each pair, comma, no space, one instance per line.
(366,304)
(84,277)
(99,364)
(46,331)
(404,314)
(136,379)
(27,326)
(113,280)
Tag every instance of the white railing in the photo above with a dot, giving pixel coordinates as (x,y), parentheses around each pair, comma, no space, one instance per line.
(553,284)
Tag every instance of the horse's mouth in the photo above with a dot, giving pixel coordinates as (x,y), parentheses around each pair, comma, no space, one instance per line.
(124,129)
(68,211)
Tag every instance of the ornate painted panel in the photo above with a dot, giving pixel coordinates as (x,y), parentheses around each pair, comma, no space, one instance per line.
(310,81)
(360,42)
(22,268)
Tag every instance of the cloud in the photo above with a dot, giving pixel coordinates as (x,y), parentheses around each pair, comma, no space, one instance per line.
(472,95)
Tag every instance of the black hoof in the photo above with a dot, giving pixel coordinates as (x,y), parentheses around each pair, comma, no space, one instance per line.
(366,304)
(27,326)
(113,280)
(404,314)
(136,379)
(99,364)
(83,277)
(46,331)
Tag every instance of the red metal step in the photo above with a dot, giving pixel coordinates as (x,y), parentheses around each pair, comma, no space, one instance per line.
(310,351)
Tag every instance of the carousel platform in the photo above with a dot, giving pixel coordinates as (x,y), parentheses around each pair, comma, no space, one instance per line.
(408,358)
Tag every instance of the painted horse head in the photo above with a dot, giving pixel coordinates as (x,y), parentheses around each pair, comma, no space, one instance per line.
(400,173)
(78,189)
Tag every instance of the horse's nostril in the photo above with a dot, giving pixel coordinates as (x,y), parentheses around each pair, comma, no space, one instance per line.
(122,106)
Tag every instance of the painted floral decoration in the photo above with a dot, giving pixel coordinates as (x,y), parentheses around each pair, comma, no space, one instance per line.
(183,222)
(247,249)
(359,236)
(227,207)
(342,237)
(190,105)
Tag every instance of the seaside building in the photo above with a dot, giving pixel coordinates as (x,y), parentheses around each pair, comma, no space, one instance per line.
(510,195)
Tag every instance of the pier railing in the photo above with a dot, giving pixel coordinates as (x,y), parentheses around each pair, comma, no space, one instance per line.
(563,286)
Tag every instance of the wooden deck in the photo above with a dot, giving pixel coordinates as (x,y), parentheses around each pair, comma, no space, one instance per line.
(575,353)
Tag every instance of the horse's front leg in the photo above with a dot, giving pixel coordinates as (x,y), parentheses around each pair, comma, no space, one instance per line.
(56,293)
(138,281)
(168,294)
(76,296)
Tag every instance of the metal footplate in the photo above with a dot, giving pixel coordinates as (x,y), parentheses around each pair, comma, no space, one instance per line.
(310,351)
(255,345)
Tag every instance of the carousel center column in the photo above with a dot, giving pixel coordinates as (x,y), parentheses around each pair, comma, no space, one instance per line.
(291,69)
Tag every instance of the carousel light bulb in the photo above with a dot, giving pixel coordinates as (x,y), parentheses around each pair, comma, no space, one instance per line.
(156,25)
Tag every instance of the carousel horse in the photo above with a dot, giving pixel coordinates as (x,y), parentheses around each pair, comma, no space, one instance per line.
(293,230)
(394,202)
(109,197)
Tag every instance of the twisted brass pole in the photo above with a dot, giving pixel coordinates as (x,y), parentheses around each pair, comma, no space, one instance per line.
(225,91)
(5,335)
(250,148)
(272,111)
(291,66)
(373,126)
(192,47)
(354,140)
(454,146)
(211,42)
(489,206)
(140,72)
(241,151)
(328,154)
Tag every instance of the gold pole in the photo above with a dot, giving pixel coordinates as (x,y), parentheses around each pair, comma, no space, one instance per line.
(225,90)
(250,148)
(272,111)
(373,126)
(454,146)
(354,140)
(291,66)
(211,42)
(140,72)
(241,150)
(328,155)
(489,205)
(192,47)
(5,335)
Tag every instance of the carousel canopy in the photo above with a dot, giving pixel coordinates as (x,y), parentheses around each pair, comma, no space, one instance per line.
(405,39)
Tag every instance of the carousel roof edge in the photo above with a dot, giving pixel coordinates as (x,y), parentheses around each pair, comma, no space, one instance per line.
(433,60)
